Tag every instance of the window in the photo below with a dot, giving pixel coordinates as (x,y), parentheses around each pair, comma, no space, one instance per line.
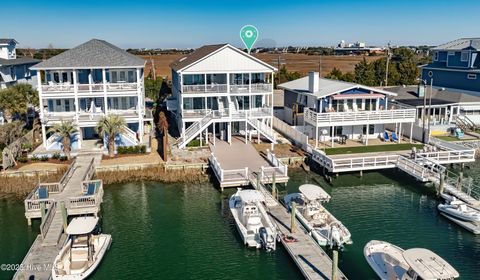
(464,56)
(114,77)
(435,56)
(64,77)
(122,76)
(67,105)
(472,76)
(131,78)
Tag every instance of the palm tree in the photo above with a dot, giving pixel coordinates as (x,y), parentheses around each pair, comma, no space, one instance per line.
(65,130)
(110,126)
(16,99)
(162,125)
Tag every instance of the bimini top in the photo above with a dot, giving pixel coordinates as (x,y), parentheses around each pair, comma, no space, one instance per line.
(313,192)
(82,225)
(92,54)
(251,196)
(429,265)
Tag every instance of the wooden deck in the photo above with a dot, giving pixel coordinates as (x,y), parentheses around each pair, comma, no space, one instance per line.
(233,164)
(71,192)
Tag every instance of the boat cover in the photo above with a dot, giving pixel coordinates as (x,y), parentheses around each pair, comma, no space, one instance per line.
(82,225)
(313,192)
(429,265)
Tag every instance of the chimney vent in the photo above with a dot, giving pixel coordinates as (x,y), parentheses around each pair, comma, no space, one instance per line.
(313,81)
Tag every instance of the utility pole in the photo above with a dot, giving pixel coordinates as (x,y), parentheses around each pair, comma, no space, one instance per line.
(388,60)
(424,139)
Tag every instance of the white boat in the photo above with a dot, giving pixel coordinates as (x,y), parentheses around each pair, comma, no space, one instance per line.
(83,250)
(460,210)
(391,262)
(322,225)
(253,222)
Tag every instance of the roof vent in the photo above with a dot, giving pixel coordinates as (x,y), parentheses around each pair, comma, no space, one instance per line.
(182,59)
(313,82)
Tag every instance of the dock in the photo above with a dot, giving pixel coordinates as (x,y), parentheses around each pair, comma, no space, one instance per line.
(76,194)
(235,163)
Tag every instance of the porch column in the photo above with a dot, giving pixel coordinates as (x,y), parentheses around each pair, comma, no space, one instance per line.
(75,90)
(400,134)
(333,134)
(140,105)
(246,132)
(229,133)
(316,137)
(368,130)
(40,92)
(214,135)
(90,80)
(44,136)
(104,80)
(411,132)
(377,104)
(386,103)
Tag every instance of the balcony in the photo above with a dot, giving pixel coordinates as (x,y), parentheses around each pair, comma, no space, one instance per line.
(93,87)
(222,88)
(251,88)
(205,88)
(359,117)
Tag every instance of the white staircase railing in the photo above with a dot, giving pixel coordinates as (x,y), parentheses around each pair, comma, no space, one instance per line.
(130,135)
(263,129)
(194,129)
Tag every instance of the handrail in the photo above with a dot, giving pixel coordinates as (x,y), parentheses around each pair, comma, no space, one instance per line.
(48,219)
(67,175)
(205,88)
(339,117)
(90,171)
(130,134)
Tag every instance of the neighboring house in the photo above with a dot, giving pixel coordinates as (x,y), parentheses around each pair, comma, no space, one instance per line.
(12,69)
(341,110)
(455,65)
(87,82)
(222,90)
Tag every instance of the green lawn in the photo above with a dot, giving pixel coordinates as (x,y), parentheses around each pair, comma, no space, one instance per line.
(372,149)
(447,138)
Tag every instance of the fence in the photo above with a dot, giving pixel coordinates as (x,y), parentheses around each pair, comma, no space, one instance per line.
(48,219)
(294,135)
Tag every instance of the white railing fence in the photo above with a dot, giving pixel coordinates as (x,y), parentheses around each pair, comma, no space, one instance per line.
(205,88)
(48,219)
(297,137)
(130,135)
(319,119)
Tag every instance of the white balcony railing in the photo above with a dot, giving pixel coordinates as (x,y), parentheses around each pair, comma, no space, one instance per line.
(94,87)
(254,88)
(359,117)
(209,88)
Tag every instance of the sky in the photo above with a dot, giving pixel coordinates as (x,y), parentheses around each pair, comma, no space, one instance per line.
(190,24)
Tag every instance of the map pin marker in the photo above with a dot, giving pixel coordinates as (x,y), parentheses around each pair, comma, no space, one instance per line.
(249,35)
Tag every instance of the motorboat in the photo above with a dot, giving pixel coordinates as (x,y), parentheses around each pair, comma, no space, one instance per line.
(252,220)
(460,210)
(392,262)
(83,250)
(322,225)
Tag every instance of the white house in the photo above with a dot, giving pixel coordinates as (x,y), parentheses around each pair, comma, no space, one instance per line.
(87,82)
(331,109)
(224,91)
(12,69)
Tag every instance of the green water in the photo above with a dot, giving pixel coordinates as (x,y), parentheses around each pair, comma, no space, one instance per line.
(177,231)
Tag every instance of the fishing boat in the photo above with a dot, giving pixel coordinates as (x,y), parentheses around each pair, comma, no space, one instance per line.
(83,250)
(460,213)
(251,219)
(322,225)
(392,262)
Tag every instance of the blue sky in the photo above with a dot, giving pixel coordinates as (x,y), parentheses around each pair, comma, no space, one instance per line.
(185,23)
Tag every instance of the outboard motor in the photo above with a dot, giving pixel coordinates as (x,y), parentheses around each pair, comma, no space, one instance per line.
(263,237)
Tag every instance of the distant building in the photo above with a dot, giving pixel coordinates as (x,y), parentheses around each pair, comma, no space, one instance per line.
(455,65)
(344,48)
(12,69)
(88,82)
(222,90)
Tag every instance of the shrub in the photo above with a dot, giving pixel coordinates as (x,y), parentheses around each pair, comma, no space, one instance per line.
(44,158)
(56,155)
(27,146)
(63,158)
(194,143)
(35,158)
(22,159)
(122,150)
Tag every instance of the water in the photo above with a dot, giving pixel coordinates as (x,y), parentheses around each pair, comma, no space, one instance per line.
(177,231)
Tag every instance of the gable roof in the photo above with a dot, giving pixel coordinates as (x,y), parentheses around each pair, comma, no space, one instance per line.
(18,61)
(326,87)
(4,41)
(460,44)
(207,51)
(92,54)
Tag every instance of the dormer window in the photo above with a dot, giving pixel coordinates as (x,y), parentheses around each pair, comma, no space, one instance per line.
(464,57)
(435,56)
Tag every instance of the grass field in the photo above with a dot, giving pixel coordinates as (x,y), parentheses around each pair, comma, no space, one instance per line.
(293,62)
(372,149)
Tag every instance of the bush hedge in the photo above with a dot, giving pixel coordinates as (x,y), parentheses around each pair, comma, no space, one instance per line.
(131,150)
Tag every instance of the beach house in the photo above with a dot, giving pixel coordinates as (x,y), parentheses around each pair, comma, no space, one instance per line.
(86,83)
(15,69)
(222,91)
(333,111)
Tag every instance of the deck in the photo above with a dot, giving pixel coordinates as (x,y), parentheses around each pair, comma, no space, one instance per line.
(67,197)
(234,164)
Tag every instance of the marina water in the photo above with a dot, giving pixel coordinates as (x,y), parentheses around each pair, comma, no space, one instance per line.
(179,231)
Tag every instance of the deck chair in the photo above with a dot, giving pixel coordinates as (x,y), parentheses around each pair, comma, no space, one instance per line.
(385,137)
(42,193)
(91,189)
(394,137)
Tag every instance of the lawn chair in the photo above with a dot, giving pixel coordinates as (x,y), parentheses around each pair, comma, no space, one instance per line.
(394,137)
(385,137)
(91,188)
(42,193)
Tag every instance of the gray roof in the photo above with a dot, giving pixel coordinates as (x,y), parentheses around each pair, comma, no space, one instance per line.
(194,56)
(327,87)
(460,44)
(7,41)
(18,61)
(92,54)
(408,95)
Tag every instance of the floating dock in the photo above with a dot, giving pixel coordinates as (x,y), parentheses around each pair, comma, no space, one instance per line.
(475,229)
(54,202)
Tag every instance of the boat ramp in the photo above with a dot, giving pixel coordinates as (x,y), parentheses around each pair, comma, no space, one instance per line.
(76,194)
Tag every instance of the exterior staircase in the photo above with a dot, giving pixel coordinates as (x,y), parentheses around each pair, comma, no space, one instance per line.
(130,135)
(264,129)
(193,130)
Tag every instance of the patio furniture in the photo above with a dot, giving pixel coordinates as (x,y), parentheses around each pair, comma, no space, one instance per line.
(42,193)
(394,137)
(385,137)
(91,189)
